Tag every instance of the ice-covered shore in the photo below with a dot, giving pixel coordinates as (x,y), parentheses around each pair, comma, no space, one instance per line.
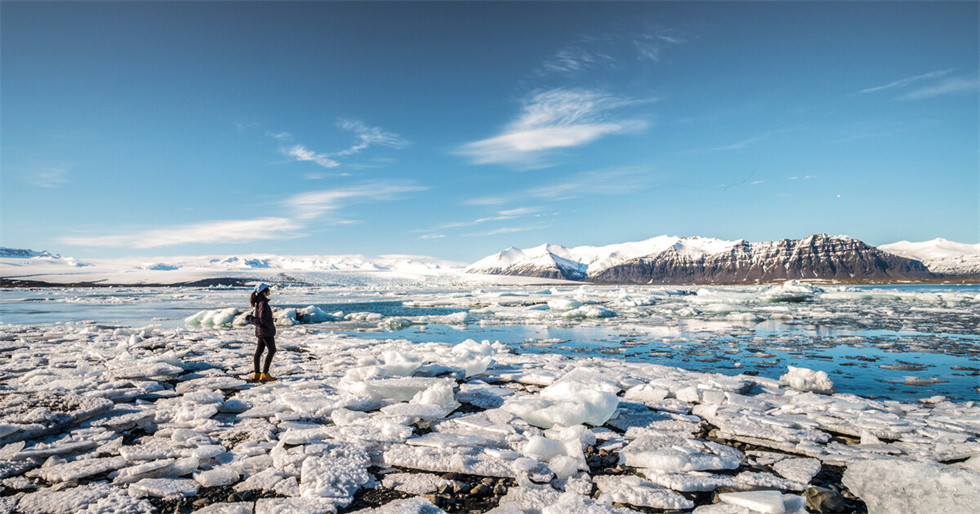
(105,419)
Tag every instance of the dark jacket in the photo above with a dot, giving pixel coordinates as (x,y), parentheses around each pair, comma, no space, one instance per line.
(263,316)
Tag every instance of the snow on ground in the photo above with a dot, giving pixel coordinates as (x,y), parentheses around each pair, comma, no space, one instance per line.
(940,255)
(44,267)
(100,419)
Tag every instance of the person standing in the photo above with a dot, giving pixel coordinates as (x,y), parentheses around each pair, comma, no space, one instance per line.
(265,331)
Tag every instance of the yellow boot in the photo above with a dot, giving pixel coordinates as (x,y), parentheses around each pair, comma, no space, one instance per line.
(265,377)
(256,377)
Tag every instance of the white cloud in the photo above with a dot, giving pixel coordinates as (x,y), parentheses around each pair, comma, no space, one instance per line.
(45,176)
(603,182)
(504,215)
(954,85)
(558,118)
(231,231)
(507,230)
(305,207)
(314,204)
(282,136)
(368,136)
(301,153)
(906,81)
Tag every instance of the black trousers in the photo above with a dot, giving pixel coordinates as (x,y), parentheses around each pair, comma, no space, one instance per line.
(265,343)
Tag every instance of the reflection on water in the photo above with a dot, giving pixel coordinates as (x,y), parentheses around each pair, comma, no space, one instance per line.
(896,342)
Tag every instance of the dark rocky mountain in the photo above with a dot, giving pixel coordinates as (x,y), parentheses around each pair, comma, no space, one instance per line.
(671,260)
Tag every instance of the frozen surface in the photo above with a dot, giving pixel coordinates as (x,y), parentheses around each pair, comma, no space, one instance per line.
(891,485)
(98,416)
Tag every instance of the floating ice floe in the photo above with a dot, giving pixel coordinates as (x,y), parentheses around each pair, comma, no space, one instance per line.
(807,380)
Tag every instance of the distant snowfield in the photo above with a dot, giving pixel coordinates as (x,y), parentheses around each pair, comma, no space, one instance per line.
(939,255)
(44,267)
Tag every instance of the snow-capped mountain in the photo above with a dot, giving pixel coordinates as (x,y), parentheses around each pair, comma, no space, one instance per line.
(676,260)
(940,256)
(16,253)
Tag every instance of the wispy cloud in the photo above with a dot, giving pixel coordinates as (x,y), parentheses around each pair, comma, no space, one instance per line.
(602,182)
(906,81)
(302,154)
(557,118)
(614,50)
(365,135)
(305,208)
(315,204)
(612,182)
(950,86)
(507,230)
(230,231)
(745,143)
(368,136)
(44,176)
(503,215)
(930,85)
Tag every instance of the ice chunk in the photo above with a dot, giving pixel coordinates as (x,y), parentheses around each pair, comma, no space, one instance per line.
(766,502)
(400,363)
(798,470)
(336,471)
(94,498)
(226,508)
(563,304)
(396,324)
(407,506)
(264,480)
(670,453)
(543,449)
(898,485)
(567,403)
(807,380)
(646,393)
(528,498)
(413,483)
(439,394)
(313,314)
(295,505)
(162,487)
(574,503)
(213,318)
(448,460)
(691,481)
(589,311)
(77,469)
(398,389)
(217,477)
(564,466)
(633,490)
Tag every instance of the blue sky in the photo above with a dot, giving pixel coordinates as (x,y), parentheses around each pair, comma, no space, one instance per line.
(459,129)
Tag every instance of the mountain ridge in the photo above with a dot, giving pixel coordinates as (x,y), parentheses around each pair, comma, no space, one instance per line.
(677,260)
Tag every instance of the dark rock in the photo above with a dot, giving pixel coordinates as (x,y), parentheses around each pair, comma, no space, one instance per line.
(481,490)
(821,499)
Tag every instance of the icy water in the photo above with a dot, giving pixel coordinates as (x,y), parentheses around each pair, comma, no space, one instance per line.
(888,342)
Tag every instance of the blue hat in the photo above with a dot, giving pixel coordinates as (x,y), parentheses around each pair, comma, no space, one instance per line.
(261,287)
